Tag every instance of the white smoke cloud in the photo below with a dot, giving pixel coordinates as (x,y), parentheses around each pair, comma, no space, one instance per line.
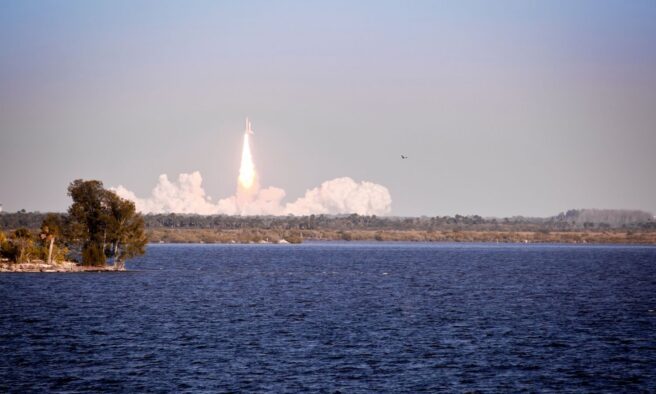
(340,195)
(343,195)
(185,196)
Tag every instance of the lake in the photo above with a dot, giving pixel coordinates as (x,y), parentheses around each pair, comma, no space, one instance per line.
(338,317)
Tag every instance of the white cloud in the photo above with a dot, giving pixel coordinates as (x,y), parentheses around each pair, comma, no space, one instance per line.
(340,195)
(343,195)
(185,196)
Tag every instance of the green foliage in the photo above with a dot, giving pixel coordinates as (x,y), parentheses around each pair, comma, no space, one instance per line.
(5,246)
(345,235)
(570,221)
(50,234)
(125,228)
(105,224)
(59,253)
(93,254)
(294,238)
(52,226)
(9,251)
(20,246)
(88,222)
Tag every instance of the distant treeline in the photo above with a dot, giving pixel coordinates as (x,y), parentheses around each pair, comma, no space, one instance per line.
(572,220)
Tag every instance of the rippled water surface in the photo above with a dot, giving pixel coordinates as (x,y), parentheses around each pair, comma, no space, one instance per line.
(338,317)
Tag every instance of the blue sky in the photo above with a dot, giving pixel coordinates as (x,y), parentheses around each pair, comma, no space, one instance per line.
(505,108)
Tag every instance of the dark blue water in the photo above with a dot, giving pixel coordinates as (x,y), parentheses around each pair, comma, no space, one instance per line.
(338,317)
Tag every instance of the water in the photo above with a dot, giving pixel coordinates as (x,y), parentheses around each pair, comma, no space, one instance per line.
(338,317)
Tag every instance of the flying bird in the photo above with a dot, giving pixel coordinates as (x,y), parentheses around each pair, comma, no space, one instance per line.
(404,157)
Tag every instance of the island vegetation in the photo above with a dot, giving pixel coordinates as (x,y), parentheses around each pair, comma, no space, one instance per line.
(99,228)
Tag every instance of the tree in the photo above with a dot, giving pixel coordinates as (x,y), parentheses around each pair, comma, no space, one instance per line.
(52,230)
(4,246)
(125,228)
(88,219)
(104,223)
(21,245)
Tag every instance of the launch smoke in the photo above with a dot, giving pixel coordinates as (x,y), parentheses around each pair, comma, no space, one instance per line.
(340,195)
(337,196)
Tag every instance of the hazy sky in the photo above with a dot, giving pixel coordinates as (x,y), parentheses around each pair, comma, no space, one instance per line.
(504,108)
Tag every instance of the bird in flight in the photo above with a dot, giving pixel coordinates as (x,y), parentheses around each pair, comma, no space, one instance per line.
(404,157)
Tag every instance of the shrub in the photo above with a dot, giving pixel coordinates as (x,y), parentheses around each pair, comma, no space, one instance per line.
(93,254)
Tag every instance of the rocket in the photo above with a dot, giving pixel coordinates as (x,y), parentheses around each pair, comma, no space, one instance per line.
(248,127)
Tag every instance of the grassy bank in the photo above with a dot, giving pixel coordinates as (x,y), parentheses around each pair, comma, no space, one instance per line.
(255,235)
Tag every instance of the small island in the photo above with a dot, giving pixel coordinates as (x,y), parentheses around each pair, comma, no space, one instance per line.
(99,233)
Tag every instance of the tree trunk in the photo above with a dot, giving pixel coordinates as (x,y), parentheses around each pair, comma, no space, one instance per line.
(52,243)
(117,257)
(119,265)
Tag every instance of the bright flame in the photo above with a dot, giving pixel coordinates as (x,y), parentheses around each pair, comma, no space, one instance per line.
(247,169)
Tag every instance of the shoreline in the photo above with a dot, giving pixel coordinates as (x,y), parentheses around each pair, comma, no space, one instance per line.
(60,266)
(273,236)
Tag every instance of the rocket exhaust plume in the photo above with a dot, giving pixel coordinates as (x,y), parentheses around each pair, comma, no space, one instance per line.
(247,184)
(187,195)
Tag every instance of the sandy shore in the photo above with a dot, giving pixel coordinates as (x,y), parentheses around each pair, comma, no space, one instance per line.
(61,266)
